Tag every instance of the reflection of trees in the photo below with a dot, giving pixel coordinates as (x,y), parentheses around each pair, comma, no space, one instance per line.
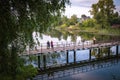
(73,37)
(86,36)
(103,52)
(32,58)
(94,52)
(74,33)
(54,33)
(65,35)
(106,38)
(52,58)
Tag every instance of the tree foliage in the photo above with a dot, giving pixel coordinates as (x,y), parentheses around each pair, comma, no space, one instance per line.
(115,19)
(89,23)
(103,12)
(18,20)
(73,20)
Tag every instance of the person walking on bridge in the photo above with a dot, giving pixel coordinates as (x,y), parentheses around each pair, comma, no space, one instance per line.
(52,44)
(94,40)
(48,44)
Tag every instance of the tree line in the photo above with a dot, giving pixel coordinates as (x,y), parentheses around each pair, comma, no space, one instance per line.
(104,16)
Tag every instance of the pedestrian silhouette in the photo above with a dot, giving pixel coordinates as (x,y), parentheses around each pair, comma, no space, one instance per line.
(51,44)
(48,44)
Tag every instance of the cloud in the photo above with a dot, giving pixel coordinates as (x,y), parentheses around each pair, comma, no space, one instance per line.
(117,3)
(118,9)
(79,7)
(83,3)
(77,11)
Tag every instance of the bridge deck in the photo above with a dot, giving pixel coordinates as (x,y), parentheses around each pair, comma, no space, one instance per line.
(69,47)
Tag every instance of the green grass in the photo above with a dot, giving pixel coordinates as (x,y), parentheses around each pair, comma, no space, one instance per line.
(109,31)
(96,30)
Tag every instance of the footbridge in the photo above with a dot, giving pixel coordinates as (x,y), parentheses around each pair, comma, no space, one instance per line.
(67,46)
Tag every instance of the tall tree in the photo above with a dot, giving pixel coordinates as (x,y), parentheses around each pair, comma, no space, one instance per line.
(64,20)
(18,20)
(103,12)
(73,19)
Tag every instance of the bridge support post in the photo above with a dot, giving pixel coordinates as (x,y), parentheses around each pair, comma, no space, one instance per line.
(98,52)
(74,56)
(67,59)
(108,52)
(117,48)
(39,61)
(89,54)
(44,61)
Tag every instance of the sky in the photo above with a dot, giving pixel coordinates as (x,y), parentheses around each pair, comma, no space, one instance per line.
(79,7)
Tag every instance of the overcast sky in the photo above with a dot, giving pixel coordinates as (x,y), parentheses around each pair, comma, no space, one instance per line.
(79,7)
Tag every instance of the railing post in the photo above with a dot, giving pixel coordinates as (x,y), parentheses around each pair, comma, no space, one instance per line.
(90,45)
(108,52)
(74,56)
(90,54)
(98,52)
(74,45)
(63,46)
(41,48)
(117,47)
(57,45)
(44,61)
(39,61)
(29,50)
(83,45)
(66,44)
(67,59)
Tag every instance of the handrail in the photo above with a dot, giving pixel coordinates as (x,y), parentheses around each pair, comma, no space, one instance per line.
(63,44)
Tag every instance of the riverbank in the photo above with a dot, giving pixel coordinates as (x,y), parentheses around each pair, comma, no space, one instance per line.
(108,31)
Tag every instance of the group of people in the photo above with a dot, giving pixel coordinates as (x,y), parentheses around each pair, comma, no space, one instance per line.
(49,44)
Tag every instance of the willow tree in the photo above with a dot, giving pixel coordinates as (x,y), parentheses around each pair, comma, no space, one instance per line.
(18,20)
(103,12)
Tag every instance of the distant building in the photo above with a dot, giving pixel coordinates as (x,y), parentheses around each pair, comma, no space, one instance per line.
(83,18)
(116,26)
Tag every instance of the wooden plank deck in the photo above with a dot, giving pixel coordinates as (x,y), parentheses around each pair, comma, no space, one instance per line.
(68,47)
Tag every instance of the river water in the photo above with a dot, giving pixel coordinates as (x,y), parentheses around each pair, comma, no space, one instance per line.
(101,71)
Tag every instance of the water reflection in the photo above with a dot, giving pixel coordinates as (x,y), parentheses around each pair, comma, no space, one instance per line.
(103,52)
(74,34)
(82,55)
(95,71)
(61,36)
